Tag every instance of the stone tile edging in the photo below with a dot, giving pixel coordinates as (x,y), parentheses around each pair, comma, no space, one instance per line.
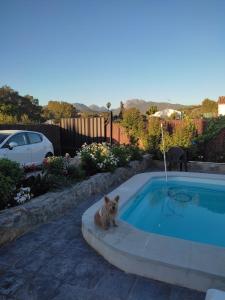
(198,166)
(18,220)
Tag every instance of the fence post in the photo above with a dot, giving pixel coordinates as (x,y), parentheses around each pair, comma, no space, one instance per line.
(110,122)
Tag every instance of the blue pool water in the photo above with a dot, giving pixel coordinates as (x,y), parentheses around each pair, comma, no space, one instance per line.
(189,210)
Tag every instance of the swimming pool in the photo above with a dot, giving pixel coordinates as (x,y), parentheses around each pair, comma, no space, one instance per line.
(172,233)
(181,208)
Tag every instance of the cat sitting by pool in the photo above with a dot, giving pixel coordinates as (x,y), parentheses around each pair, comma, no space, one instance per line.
(105,216)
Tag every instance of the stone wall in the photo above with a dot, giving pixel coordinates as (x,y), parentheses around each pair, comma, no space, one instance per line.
(206,167)
(196,166)
(18,220)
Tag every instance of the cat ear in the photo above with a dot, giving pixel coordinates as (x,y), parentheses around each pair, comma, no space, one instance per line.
(117,198)
(106,199)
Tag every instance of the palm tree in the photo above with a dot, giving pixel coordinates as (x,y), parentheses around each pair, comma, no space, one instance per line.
(108,105)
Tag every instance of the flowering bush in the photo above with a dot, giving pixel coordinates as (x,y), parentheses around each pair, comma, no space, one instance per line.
(102,158)
(97,158)
(54,165)
(57,165)
(135,152)
(122,153)
(61,166)
(23,195)
(58,172)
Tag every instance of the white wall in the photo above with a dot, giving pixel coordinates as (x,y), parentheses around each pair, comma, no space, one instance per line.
(221,109)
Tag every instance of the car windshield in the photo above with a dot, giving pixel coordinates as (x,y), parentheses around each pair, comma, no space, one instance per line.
(3,136)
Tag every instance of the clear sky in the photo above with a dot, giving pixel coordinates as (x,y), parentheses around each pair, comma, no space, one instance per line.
(95,51)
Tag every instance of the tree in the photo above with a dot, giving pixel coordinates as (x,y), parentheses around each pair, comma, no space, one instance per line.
(174,116)
(122,109)
(209,106)
(152,109)
(59,109)
(154,134)
(108,105)
(182,136)
(7,119)
(13,106)
(206,109)
(134,124)
(32,99)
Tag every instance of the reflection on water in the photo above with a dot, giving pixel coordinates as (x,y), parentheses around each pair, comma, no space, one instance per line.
(175,200)
(182,197)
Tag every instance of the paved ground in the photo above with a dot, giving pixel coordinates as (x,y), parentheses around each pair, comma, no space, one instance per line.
(53,262)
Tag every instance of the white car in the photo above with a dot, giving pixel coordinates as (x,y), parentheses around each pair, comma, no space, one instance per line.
(25,147)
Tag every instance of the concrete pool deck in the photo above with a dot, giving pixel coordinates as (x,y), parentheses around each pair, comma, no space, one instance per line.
(175,261)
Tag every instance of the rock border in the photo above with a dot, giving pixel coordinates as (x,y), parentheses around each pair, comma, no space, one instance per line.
(197,166)
(18,220)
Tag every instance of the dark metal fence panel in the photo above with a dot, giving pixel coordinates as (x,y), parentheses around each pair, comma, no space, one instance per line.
(77,131)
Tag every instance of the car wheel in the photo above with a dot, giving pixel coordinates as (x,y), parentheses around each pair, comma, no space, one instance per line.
(49,154)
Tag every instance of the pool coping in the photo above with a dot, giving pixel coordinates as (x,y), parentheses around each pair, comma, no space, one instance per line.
(176,261)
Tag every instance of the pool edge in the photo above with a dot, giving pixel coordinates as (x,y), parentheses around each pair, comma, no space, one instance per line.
(194,268)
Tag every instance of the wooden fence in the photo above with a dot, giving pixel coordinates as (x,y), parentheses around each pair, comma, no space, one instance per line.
(72,133)
(77,131)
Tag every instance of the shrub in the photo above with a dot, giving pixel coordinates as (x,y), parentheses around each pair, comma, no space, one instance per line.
(133,122)
(103,158)
(23,195)
(44,182)
(198,149)
(97,158)
(122,153)
(54,165)
(182,136)
(6,190)
(214,126)
(10,176)
(12,170)
(134,152)
(168,142)
(154,135)
(38,184)
(76,173)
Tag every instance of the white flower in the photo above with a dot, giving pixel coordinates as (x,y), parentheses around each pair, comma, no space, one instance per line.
(23,195)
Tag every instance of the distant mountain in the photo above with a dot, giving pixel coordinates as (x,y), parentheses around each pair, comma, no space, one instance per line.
(143,105)
(140,104)
(82,107)
(97,108)
(92,108)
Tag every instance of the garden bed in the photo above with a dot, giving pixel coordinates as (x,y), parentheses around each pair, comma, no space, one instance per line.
(17,220)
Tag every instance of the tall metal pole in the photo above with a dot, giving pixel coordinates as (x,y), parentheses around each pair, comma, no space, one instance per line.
(111,117)
(164,154)
(108,105)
